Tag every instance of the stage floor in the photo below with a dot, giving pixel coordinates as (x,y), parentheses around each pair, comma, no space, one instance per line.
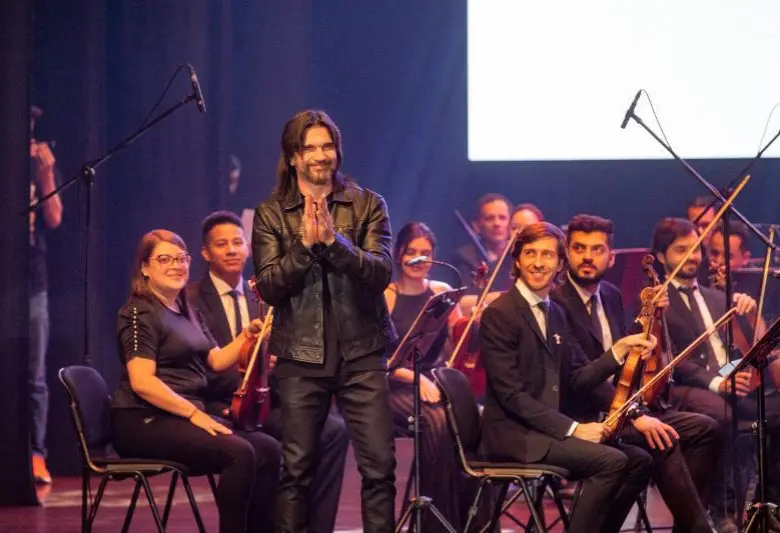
(61,511)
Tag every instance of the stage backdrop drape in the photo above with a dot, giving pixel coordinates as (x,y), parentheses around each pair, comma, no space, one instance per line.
(393,77)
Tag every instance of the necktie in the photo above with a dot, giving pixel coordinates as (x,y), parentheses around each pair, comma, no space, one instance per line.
(594,317)
(698,319)
(545,308)
(236,313)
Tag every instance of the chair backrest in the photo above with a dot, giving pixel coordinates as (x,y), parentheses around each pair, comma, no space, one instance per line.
(462,410)
(90,408)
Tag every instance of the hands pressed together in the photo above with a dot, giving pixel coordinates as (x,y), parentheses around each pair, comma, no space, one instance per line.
(317,222)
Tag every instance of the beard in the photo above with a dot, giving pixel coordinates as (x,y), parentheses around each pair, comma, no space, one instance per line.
(587,282)
(322,176)
(689,271)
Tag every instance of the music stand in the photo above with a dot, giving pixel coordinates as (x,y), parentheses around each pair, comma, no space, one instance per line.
(418,340)
(761,511)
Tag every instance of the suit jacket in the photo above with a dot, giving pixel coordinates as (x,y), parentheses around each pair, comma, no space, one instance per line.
(528,378)
(590,404)
(701,367)
(205,298)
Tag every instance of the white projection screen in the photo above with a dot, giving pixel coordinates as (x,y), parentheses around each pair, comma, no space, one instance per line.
(552,80)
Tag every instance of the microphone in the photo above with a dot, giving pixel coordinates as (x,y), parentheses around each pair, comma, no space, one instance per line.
(420,259)
(197,93)
(630,111)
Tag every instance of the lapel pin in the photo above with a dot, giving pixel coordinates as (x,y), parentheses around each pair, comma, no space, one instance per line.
(557,338)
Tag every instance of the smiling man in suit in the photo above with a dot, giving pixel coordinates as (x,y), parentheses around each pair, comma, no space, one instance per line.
(595,312)
(224,299)
(533,362)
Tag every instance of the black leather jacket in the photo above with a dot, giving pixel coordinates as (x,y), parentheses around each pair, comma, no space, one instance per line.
(358,266)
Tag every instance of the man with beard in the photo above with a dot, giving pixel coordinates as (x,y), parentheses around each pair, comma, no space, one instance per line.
(682,443)
(699,386)
(323,256)
(533,363)
(226,303)
(491,224)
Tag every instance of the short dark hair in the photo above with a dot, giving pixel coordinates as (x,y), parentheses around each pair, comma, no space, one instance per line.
(409,232)
(737,229)
(668,230)
(215,219)
(529,207)
(589,224)
(699,201)
(489,198)
(534,232)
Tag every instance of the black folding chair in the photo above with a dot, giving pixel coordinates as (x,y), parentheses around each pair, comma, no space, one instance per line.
(463,417)
(90,409)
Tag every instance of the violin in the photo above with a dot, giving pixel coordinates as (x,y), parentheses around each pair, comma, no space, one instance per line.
(657,395)
(251,403)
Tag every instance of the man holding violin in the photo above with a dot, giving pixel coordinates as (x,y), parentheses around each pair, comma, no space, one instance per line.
(226,303)
(533,363)
(682,443)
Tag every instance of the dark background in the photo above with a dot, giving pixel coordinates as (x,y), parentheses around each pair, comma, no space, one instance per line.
(392,76)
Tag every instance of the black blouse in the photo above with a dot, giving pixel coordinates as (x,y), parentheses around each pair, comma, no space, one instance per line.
(407,307)
(149,329)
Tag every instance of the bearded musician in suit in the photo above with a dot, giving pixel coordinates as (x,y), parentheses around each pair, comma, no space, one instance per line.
(533,362)
(225,301)
(682,444)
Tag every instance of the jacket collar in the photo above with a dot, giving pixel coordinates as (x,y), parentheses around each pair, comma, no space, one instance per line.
(343,195)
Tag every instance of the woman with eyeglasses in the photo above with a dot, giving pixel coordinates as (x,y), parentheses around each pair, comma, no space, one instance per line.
(157,410)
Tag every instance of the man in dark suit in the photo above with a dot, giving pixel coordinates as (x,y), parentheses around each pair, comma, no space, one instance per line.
(532,363)
(225,301)
(594,309)
(699,385)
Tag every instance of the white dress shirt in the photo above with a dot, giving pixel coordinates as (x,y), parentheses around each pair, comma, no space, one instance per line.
(606,333)
(715,341)
(223,289)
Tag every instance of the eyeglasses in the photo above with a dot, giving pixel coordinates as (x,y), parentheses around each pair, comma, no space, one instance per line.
(165,259)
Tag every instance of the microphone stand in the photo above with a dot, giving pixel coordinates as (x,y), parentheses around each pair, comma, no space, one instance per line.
(87,176)
(719,198)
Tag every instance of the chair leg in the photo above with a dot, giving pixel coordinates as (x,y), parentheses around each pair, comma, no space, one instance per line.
(213,485)
(131,507)
(96,503)
(642,520)
(496,518)
(472,514)
(85,488)
(152,505)
(195,511)
(562,513)
(169,498)
(532,506)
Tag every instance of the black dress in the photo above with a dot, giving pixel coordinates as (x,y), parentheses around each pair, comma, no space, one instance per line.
(247,463)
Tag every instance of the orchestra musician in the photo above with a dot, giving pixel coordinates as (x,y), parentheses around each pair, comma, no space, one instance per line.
(594,309)
(699,386)
(225,301)
(441,478)
(533,363)
(158,409)
(491,225)
(322,251)
(523,215)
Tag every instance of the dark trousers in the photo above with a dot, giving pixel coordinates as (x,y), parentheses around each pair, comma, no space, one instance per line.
(612,479)
(724,494)
(362,398)
(686,470)
(247,462)
(329,473)
(39,389)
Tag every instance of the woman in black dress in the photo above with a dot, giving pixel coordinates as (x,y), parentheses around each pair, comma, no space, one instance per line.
(157,410)
(441,477)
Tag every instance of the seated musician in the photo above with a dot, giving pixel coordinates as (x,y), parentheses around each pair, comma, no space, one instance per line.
(491,224)
(225,301)
(699,387)
(523,215)
(595,312)
(533,362)
(158,410)
(406,296)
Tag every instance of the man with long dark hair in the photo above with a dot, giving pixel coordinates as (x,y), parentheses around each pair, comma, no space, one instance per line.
(323,257)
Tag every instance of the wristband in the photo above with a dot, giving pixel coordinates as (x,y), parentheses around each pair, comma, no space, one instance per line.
(194,410)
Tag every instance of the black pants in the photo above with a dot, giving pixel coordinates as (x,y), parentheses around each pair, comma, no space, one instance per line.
(612,479)
(686,470)
(247,463)
(362,398)
(329,474)
(725,495)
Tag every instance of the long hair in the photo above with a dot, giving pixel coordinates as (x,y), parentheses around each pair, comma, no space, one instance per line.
(292,141)
(409,232)
(139,284)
